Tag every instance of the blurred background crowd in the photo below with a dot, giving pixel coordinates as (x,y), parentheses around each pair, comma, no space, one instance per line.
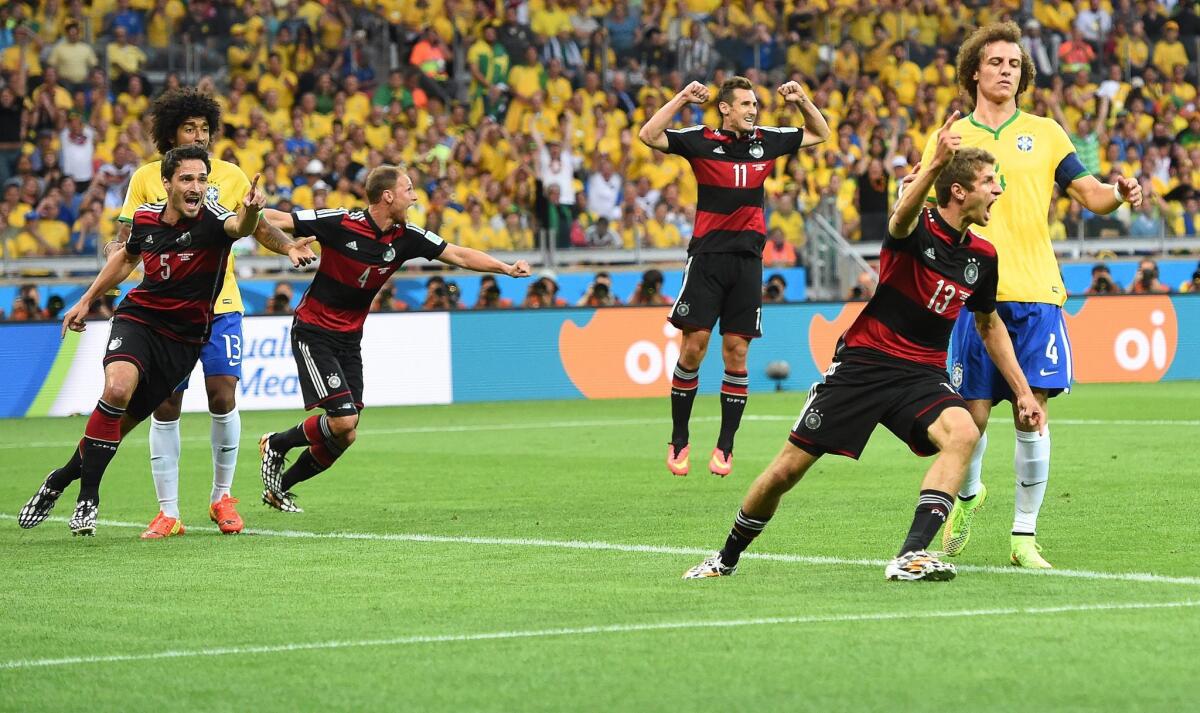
(518,118)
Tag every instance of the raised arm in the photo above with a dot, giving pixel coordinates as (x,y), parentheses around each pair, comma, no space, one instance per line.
(653,132)
(999,347)
(246,219)
(118,267)
(472,259)
(816,129)
(912,200)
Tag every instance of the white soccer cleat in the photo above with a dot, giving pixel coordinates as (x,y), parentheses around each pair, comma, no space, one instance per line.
(711,567)
(83,522)
(919,566)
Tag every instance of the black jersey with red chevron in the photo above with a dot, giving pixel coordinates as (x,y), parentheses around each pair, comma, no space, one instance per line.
(357,258)
(730,170)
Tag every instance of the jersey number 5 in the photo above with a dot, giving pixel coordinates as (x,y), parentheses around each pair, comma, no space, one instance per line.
(946,292)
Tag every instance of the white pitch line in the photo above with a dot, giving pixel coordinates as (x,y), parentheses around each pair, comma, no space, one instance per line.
(601,423)
(661,550)
(587,630)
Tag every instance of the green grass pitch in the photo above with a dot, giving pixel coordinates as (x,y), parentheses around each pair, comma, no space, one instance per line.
(497,611)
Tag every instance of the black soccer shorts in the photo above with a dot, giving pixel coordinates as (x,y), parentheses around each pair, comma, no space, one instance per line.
(329,365)
(162,363)
(725,286)
(860,392)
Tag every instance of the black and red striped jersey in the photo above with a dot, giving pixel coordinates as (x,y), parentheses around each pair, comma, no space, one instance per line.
(925,280)
(184,268)
(730,171)
(357,258)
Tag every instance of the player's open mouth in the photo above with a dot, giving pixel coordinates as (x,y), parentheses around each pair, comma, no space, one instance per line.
(191,201)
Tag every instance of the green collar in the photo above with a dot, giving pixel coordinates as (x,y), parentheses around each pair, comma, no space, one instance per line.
(994,132)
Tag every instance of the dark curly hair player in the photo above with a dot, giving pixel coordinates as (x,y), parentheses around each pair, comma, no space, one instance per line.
(189,117)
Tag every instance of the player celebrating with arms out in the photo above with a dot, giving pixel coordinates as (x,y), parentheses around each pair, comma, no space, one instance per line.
(360,251)
(182,117)
(890,366)
(723,276)
(159,328)
(1033,153)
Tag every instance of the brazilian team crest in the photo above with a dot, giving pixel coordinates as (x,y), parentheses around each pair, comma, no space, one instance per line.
(956,375)
(212,193)
(1025,143)
(971,271)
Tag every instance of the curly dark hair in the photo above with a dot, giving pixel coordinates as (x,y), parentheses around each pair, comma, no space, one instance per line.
(970,56)
(174,107)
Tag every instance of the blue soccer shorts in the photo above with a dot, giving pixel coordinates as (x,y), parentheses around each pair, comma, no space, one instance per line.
(1039,335)
(222,353)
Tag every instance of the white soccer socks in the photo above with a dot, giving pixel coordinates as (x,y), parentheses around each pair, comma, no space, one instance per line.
(1032,463)
(164,464)
(226,434)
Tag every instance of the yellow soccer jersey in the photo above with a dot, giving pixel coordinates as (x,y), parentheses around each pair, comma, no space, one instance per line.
(1032,154)
(226,184)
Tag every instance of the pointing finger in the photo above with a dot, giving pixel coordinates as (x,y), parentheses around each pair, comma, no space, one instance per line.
(951,119)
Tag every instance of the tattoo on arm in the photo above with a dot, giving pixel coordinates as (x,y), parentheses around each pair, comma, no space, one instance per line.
(272,238)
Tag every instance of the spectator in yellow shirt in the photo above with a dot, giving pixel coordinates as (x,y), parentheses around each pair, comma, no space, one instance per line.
(1169,52)
(72,57)
(124,58)
(279,79)
(661,233)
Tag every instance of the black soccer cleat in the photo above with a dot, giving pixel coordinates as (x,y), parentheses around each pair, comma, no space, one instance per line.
(39,506)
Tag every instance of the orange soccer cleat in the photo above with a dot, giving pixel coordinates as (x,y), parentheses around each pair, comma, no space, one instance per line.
(677,460)
(163,526)
(721,464)
(226,515)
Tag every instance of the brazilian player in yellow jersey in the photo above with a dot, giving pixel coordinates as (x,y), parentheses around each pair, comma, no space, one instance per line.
(1033,154)
(181,117)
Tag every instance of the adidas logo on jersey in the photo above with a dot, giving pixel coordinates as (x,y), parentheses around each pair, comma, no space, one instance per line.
(929,253)
(719,149)
(353,245)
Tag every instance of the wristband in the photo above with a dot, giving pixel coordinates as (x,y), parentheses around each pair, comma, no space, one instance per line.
(1117,193)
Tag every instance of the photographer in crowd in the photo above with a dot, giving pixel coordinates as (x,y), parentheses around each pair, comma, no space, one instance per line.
(775,290)
(599,293)
(489,295)
(281,299)
(649,290)
(1146,281)
(1103,282)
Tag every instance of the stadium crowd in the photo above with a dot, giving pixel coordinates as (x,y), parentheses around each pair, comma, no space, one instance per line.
(519,117)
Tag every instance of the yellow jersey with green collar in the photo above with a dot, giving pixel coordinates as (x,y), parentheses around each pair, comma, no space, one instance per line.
(227,185)
(1032,153)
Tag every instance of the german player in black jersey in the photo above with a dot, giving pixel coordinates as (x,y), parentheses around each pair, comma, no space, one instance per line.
(890,366)
(723,277)
(360,251)
(159,327)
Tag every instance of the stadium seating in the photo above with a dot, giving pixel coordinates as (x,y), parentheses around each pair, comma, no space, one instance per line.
(474,97)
